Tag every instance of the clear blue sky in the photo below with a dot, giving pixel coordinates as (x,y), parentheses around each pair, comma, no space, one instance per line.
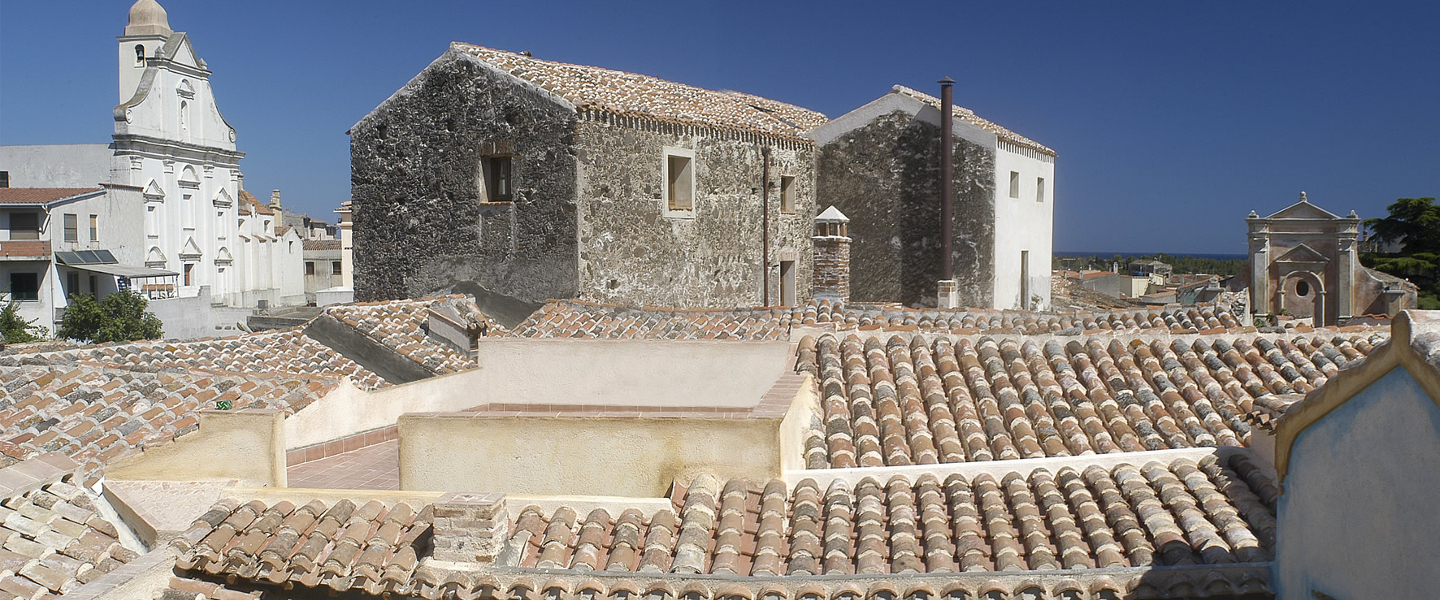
(1172,121)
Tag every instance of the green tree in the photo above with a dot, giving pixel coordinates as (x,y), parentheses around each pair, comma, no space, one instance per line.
(15,328)
(118,317)
(1415,224)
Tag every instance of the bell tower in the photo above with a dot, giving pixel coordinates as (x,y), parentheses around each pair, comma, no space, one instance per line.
(145,33)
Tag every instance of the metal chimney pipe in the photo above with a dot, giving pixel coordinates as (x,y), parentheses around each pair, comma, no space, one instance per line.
(947,166)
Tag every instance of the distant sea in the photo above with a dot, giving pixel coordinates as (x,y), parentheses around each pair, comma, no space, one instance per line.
(1135,254)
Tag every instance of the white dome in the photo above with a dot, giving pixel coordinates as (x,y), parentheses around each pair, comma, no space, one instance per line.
(147,17)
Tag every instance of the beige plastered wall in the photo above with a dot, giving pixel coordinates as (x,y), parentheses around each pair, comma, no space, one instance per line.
(588,372)
(244,445)
(597,456)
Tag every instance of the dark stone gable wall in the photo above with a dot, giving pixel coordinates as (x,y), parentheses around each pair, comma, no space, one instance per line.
(415,176)
(885,178)
(632,253)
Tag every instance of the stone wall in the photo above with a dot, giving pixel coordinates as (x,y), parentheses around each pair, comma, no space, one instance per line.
(885,177)
(635,251)
(419,225)
(832,267)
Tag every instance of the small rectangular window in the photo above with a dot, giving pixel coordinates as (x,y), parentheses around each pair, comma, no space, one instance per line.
(335,267)
(189,274)
(4,179)
(499,183)
(787,283)
(72,228)
(24,226)
(679,183)
(24,286)
(787,193)
(94,228)
(94,286)
(309,268)
(1039,189)
(1014,184)
(72,283)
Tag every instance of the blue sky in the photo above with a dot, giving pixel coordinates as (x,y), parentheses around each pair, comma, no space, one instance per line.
(1172,121)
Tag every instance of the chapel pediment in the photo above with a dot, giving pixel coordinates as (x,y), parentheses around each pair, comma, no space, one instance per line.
(223,256)
(1303,254)
(155,257)
(222,199)
(1303,210)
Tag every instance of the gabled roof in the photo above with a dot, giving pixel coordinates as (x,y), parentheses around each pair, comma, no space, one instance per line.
(255,205)
(1414,344)
(631,94)
(1303,210)
(43,195)
(969,116)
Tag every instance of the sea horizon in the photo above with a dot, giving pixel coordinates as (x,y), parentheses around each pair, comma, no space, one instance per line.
(1135,254)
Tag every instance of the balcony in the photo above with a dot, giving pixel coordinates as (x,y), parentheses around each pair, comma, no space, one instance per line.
(25,250)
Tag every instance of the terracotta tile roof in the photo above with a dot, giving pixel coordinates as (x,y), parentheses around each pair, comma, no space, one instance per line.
(282,230)
(1161,529)
(95,414)
(24,248)
(255,205)
(578,318)
(283,351)
(372,546)
(1268,410)
(900,401)
(183,588)
(322,244)
(969,116)
(629,94)
(41,195)
(400,326)
(54,537)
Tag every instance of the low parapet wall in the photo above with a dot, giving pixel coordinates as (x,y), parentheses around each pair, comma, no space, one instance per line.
(244,445)
(633,373)
(575,453)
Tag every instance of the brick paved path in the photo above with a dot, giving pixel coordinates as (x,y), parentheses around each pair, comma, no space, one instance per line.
(371,468)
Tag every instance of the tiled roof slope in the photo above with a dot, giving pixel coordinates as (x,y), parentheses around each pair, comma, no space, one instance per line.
(11,195)
(969,116)
(1211,523)
(400,326)
(52,537)
(897,401)
(249,204)
(583,319)
(96,415)
(283,351)
(629,94)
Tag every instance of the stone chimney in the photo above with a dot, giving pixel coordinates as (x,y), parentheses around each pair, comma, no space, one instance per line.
(275,202)
(469,529)
(832,256)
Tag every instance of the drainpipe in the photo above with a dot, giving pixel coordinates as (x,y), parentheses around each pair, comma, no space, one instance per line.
(765,226)
(947,202)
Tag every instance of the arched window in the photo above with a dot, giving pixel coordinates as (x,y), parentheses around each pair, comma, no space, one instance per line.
(184,117)
(139,55)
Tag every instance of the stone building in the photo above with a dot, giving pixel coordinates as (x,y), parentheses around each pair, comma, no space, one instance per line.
(1304,262)
(880,165)
(518,179)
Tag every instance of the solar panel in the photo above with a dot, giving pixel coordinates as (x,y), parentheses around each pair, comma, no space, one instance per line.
(87,257)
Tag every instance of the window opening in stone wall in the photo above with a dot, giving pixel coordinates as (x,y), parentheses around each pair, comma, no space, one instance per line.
(787,193)
(72,283)
(1039,189)
(94,228)
(24,226)
(139,55)
(1014,184)
(4,179)
(1024,280)
(184,117)
(189,274)
(310,269)
(72,228)
(1302,289)
(680,182)
(335,267)
(25,286)
(787,283)
(499,179)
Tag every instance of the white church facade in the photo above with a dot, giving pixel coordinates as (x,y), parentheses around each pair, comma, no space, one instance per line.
(172,144)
